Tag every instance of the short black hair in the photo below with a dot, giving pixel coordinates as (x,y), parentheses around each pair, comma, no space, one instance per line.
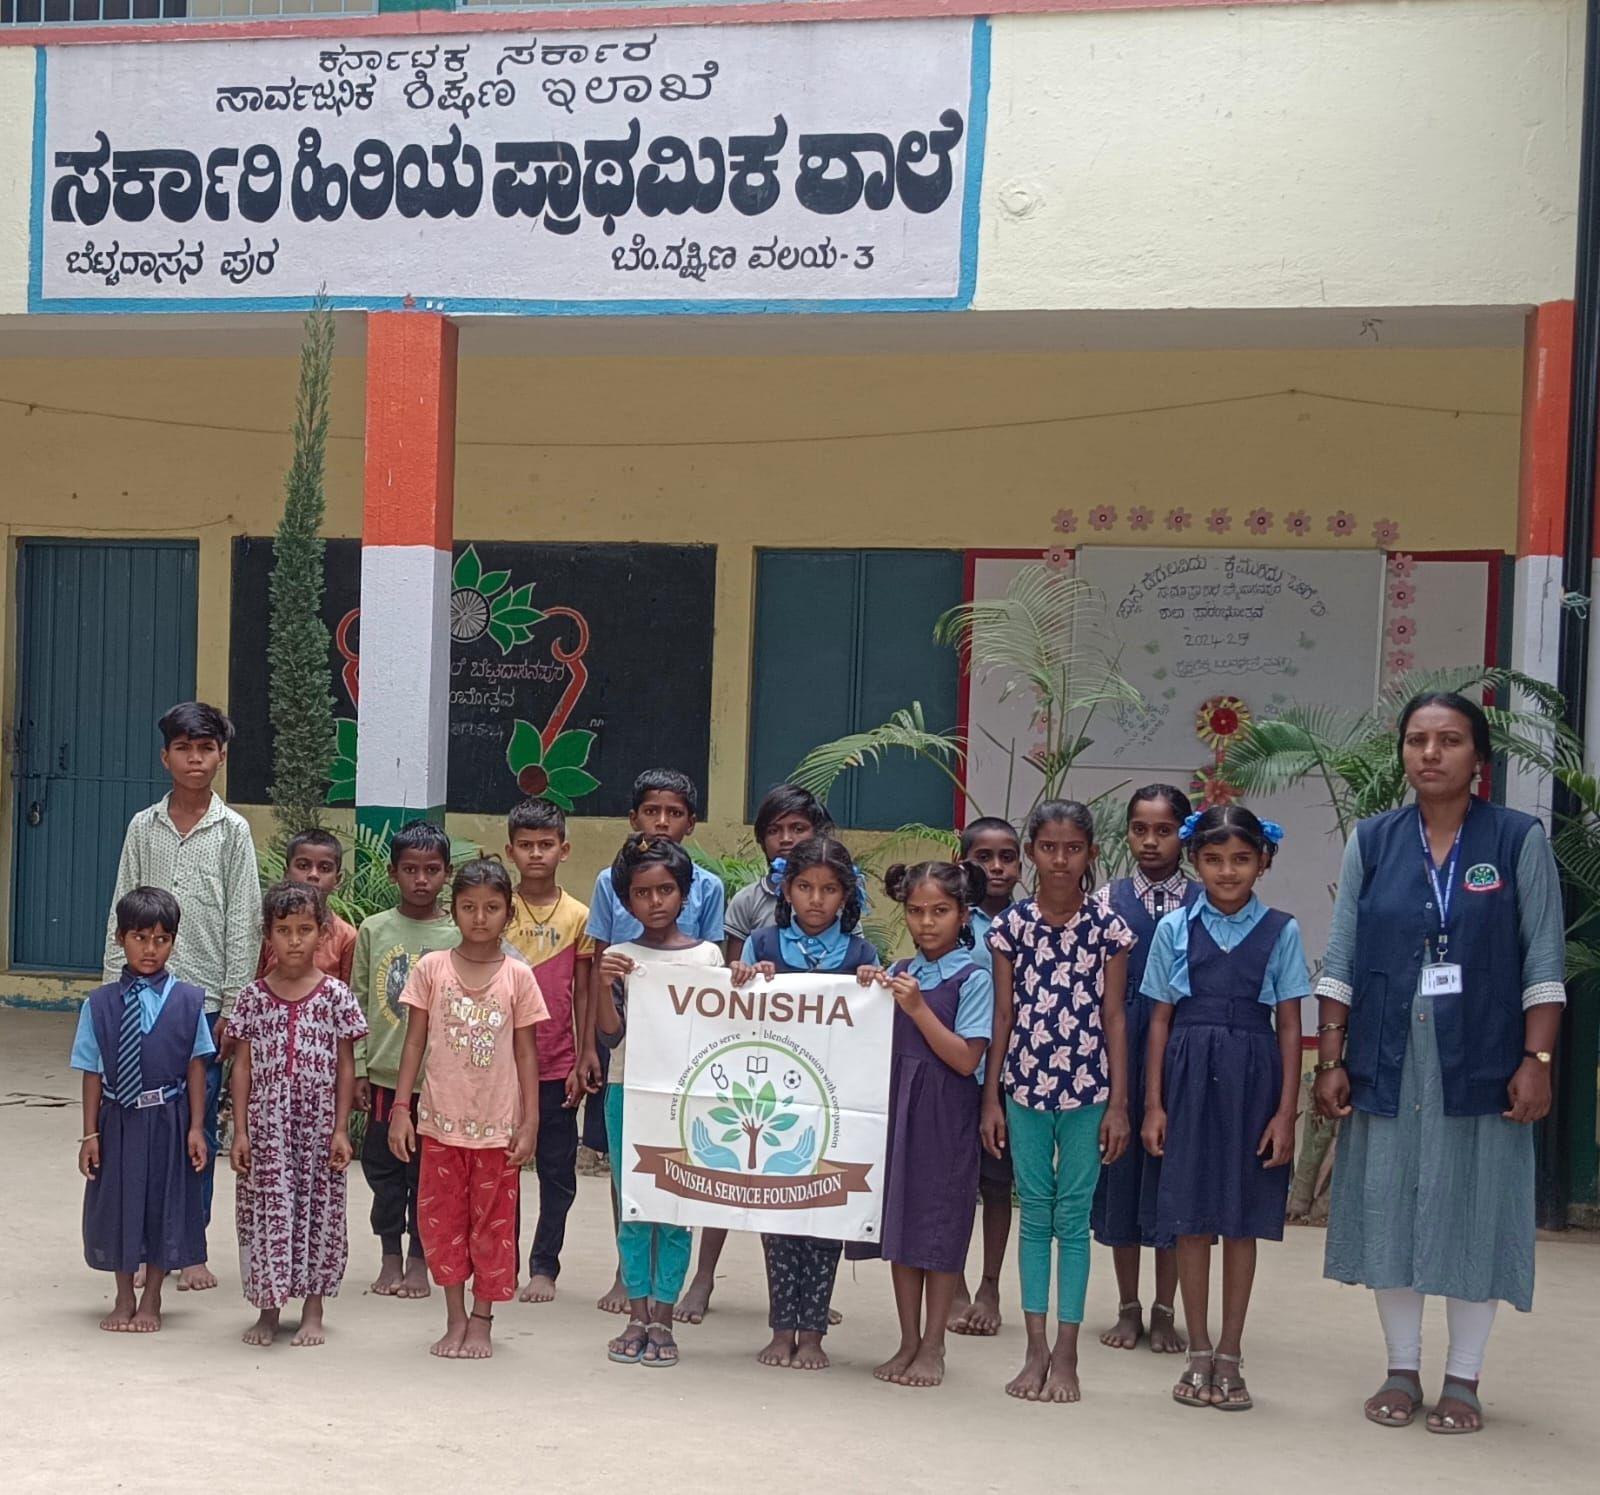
(326,840)
(650,851)
(536,815)
(985,825)
(1451,700)
(285,898)
(147,908)
(823,851)
(667,781)
(195,720)
(788,799)
(1174,796)
(1219,823)
(482,872)
(420,835)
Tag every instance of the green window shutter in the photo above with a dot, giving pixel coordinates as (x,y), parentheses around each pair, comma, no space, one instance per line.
(843,638)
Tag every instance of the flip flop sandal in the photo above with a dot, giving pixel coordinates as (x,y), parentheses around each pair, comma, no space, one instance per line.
(656,1361)
(632,1349)
(1413,1391)
(1447,1423)
(1227,1384)
(1195,1381)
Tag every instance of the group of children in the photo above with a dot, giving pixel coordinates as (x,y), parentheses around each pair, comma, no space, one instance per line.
(1124,1058)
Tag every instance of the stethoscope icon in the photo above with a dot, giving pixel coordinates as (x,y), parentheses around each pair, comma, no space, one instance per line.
(719,1076)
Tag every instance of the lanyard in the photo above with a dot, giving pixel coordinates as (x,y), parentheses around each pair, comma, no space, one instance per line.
(1444,894)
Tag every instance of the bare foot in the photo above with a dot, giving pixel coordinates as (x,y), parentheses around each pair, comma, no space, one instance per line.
(1029,1381)
(960,1311)
(695,1304)
(1062,1385)
(147,1319)
(1164,1336)
(925,1369)
(1128,1330)
(120,1318)
(265,1328)
(808,1352)
(984,1318)
(448,1345)
(414,1284)
(835,1318)
(539,1289)
(138,1280)
(615,1298)
(475,1343)
(389,1277)
(779,1350)
(311,1331)
(894,1367)
(196,1279)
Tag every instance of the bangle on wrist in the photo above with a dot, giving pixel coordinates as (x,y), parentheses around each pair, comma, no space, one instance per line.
(1322,1066)
(1331,1028)
(89,1138)
(401,1105)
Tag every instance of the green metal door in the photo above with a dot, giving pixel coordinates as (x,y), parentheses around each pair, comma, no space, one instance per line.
(105,643)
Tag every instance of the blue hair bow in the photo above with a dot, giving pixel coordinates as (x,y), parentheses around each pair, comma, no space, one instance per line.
(778,866)
(1186,830)
(1272,831)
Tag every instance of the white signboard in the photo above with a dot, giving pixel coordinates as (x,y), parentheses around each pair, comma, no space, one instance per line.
(1244,628)
(759,1109)
(726,168)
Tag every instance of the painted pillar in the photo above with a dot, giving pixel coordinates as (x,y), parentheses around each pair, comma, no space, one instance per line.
(1541,509)
(408,524)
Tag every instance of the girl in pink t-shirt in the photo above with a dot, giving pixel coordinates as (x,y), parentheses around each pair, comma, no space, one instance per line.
(473,1012)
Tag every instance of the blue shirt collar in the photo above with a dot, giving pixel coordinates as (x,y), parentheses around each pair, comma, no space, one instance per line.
(1245,915)
(813,952)
(131,980)
(952,963)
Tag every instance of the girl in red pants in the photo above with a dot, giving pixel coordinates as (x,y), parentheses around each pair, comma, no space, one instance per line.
(473,1011)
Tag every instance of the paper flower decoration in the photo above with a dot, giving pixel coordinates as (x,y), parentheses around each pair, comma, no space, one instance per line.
(1220,720)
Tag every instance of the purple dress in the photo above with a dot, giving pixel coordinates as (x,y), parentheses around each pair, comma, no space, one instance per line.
(145,1204)
(930,1184)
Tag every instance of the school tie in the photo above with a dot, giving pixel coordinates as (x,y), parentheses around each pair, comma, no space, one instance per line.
(129,1079)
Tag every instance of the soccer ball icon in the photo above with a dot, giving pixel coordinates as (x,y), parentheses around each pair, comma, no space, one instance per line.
(791,1078)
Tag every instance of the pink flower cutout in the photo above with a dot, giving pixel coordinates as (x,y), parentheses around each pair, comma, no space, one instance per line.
(1065,521)
(1139,517)
(1297,522)
(1402,630)
(1402,594)
(1102,516)
(1259,521)
(1341,523)
(1385,531)
(1179,519)
(1401,660)
(1403,566)
(1219,520)
(1058,557)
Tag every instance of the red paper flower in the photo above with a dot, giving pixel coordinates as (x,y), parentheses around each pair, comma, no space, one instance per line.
(1210,788)
(1179,519)
(1297,522)
(1139,517)
(1385,532)
(1219,520)
(1220,719)
(1402,630)
(1066,521)
(1341,523)
(1402,565)
(1102,516)
(1058,558)
(1402,594)
(1259,521)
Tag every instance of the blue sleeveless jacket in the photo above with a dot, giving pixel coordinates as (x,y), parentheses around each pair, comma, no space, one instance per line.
(765,946)
(1128,906)
(1479,1030)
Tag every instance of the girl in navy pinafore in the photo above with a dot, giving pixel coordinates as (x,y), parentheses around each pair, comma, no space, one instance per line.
(944,1018)
(819,907)
(1123,1215)
(1226,975)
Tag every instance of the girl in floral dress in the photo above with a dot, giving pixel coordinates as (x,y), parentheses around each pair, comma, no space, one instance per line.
(293,1079)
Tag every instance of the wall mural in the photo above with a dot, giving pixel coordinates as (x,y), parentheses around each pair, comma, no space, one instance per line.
(572,668)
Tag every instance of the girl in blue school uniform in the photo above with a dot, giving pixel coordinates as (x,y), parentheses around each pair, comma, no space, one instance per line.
(819,909)
(1222,1074)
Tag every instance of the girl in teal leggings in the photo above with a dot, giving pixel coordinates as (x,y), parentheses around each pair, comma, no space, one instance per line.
(1058,1057)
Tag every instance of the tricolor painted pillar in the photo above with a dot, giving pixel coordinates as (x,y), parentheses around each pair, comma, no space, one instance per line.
(408,524)
(1541,513)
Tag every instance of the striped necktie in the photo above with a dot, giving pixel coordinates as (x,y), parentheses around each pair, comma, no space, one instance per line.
(130,1079)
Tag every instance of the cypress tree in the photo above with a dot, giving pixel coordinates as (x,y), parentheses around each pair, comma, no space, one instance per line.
(300,677)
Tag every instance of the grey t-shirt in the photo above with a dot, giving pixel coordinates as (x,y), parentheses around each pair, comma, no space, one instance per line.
(750,909)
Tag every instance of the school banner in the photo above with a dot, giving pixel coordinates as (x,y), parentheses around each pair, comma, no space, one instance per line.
(763,1108)
(678,168)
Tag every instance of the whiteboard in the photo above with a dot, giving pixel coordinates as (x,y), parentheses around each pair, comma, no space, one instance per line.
(1264,627)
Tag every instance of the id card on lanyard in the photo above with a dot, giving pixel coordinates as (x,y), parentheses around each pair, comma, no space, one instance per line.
(1441,976)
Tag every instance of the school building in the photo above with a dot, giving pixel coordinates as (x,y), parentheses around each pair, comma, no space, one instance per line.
(692,359)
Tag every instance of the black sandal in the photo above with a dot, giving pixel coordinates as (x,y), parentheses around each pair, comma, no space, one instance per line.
(655,1356)
(1195,1381)
(1227,1384)
(632,1341)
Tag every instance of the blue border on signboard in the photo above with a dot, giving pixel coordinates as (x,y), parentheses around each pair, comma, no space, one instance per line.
(977,134)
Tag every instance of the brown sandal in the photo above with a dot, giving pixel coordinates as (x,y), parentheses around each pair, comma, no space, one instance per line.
(1193,1382)
(1227,1385)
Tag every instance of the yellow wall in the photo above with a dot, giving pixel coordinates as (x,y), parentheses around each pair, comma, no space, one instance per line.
(583,467)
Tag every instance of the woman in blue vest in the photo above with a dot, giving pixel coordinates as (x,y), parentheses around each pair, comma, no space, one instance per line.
(1440,999)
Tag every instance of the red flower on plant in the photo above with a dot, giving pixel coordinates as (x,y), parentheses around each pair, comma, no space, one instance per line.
(1103,516)
(1065,521)
(1341,523)
(1385,532)
(1402,630)
(1219,520)
(1297,522)
(1139,517)
(1179,519)
(1259,521)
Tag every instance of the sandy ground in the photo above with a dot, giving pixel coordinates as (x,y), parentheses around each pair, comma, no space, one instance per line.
(86,1410)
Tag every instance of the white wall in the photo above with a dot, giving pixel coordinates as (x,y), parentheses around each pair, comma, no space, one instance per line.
(16,173)
(1308,155)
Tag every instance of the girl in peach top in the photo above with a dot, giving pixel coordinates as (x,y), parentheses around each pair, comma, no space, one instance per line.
(473,1011)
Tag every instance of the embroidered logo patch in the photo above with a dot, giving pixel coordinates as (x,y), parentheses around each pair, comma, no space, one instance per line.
(1483,878)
